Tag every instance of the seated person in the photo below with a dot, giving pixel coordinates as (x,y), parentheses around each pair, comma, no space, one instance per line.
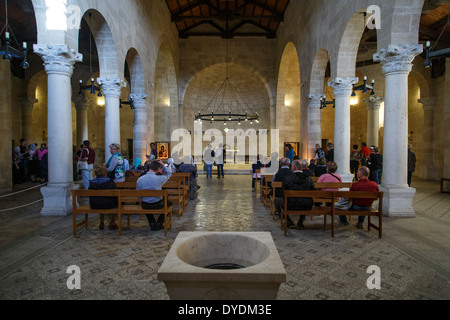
(279,177)
(321,167)
(188,166)
(331,175)
(102,182)
(256,166)
(363,184)
(154,180)
(306,169)
(297,180)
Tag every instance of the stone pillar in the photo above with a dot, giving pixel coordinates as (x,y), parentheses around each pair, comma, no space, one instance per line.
(314,123)
(272,117)
(81,105)
(111,90)
(342,89)
(58,63)
(27,117)
(428,132)
(397,63)
(139,126)
(373,105)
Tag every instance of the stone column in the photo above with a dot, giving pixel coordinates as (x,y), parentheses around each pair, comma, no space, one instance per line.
(397,63)
(111,90)
(314,123)
(272,117)
(27,117)
(428,132)
(373,105)
(81,105)
(58,63)
(342,89)
(139,126)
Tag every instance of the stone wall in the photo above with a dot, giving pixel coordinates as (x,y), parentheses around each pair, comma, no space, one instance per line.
(5,127)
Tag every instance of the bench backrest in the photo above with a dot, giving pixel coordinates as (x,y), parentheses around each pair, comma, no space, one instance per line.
(374,195)
(332,185)
(95,193)
(132,179)
(307,194)
(126,185)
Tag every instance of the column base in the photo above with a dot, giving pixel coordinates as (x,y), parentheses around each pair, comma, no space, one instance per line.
(57,200)
(347,177)
(398,201)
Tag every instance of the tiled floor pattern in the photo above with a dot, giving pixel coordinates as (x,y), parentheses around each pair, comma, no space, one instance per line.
(413,255)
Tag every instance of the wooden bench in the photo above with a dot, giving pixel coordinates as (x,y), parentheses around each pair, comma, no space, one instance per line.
(176,193)
(132,179)
(124,205)
(370,213)
(187,186)
(315,211)
(275,185)
(129,209)
(256,178)
(184,189)
(86,209)
(265,187)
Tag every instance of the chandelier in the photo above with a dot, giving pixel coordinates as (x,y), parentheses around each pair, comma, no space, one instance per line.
(7,50)
(227,105)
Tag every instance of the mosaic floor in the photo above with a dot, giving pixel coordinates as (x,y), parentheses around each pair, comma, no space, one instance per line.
(413,256)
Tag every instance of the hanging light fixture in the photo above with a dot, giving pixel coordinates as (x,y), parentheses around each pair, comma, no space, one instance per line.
(92,87)
(364,87)
(9,52)
(130,102)
(227,104)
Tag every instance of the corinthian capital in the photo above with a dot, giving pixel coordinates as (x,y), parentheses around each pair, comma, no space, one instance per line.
(139,100)
(111,87)
(397,58)
(58,58)
(342,86)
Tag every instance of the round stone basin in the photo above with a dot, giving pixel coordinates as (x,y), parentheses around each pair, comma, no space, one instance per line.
(222,251)
(222,266)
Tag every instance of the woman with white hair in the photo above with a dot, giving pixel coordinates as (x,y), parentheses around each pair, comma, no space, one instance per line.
(188,166)
(115,164)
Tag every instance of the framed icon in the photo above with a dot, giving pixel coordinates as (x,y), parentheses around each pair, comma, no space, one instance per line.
(163,149)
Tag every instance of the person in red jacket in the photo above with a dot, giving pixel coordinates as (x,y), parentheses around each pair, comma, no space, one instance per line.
(364,153)
(363,184)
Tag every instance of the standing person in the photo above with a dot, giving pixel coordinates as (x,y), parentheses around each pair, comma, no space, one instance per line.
(42,165)
(290,154)
(18,166)
(411,163)
(153,151)
(25,158)
(102,182)
(355,158)
(219,160)
(33,162)
(87,154)
(154,180)
(363,184)
(364,154)
(330,152)
(115,166)
(375,163)
(209,160)
(319,152)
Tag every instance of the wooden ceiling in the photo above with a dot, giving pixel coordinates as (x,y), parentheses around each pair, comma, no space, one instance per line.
(227,18)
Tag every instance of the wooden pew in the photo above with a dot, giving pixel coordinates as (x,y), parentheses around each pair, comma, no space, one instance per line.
(266,187)
(275,185)
(86,209)
(175,192)
(129,209)
(371,213)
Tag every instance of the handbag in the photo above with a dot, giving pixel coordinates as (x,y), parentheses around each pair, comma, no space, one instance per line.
(343,204)
(82,165)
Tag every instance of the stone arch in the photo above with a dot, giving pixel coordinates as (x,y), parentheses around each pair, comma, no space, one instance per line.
(318,71)
(105,43)
(288,99)
(137,76)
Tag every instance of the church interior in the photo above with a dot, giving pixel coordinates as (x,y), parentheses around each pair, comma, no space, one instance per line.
(297,72)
